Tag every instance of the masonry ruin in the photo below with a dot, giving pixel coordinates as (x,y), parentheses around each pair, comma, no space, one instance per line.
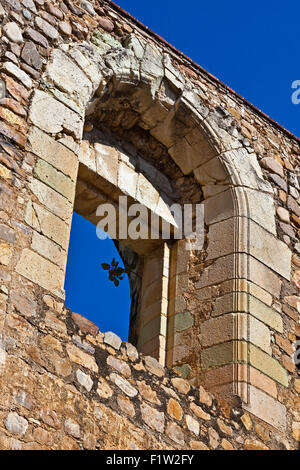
(97,107)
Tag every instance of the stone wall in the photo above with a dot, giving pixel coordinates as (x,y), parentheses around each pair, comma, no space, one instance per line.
(231,315)
(81,389)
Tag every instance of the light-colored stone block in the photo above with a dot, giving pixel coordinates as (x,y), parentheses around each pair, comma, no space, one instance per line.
(53,117)
(225,268)
(107,163)
(127,180)
(50,198)
(267,409)
(55,179)
(68,77)
(211,172)
(146,194)
(53,152)
(268,365)
(49,250)
(255,240)
(48,224)
(87,155)
(241,202)
(40,271)
(82,358)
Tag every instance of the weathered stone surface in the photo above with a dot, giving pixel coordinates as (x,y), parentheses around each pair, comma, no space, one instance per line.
(52,116)
(199,412)
(31,55)
(154,367)
(262,432)
(267,408)
(214,438)
(67,76)
(79,357)
(13,32)
(38,270)
(273,165)
(126,406)
(85,325)
(57,204)
(65,28)
(62,366)
(16,72)
(183,321)
(24,302)
(181,385)
(106,24)
(174,409)
(131,352)
(192,425)
(119,365)
(52,321)
(36,37)
(84,380)
(153,418)
(226,445)
(198,445)
(7,234)
(224,428)
(104,390)
(49,417)
(204,397)
(72,428)
(174,432)
(16,424)
(112,339)
(56,180)
(147,392)
(30,5)
(47,223)
(24,399)
(46,28)
(48,249)
(255,445)
(296,431)
(52,151)
(222,329)
(283,214)
(124,385)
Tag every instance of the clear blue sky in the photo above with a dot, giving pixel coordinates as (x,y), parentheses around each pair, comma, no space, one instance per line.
(251,46)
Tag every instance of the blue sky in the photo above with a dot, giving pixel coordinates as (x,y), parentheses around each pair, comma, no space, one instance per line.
(253,47)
